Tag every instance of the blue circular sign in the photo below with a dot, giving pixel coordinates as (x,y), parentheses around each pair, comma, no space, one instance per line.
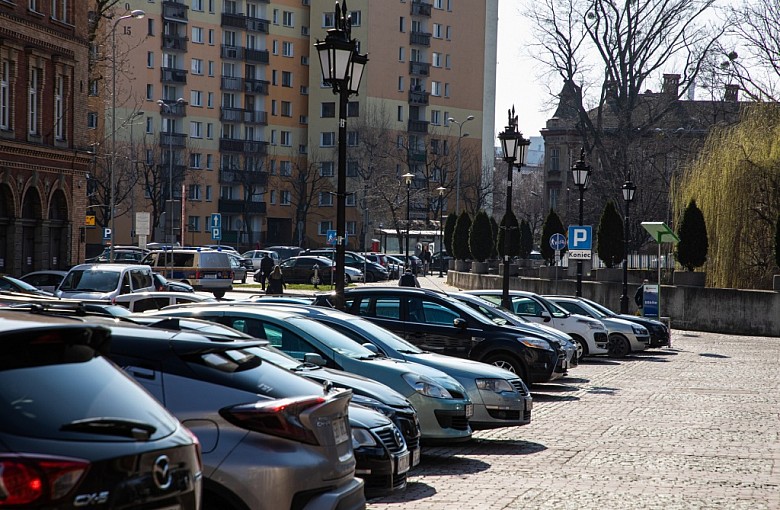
(557,242)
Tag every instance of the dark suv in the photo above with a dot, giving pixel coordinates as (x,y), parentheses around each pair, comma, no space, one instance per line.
(77,432)
(373,272)
(438,323)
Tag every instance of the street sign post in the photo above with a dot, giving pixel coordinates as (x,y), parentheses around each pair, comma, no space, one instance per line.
(557,242)
(580,242)
(216,226)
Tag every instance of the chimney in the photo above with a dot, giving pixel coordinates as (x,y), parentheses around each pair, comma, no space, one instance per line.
(671,85)
(732,93)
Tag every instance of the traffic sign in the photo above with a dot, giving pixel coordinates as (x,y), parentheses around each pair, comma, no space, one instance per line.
(106,233)
(331,237)
(216,234)
(557,241)
(216,221)
(580,242)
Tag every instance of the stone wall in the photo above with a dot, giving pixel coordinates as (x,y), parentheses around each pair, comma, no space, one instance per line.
(729,311)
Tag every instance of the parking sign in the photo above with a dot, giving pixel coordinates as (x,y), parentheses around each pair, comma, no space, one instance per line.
(580,242)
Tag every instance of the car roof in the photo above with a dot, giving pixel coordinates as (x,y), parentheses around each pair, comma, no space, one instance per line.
(111,267)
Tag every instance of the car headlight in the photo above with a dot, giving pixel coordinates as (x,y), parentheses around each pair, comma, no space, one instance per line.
(362,437)
(593,324)
(374,404)
(639,330)
(495,385)
(536,343)
(426,386)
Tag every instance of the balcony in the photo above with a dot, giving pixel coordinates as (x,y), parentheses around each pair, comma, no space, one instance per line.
(421,9)
(163,170)
(257,56)
(255,117)
(175,42)
(173,109)
(232,52)
(420,38)
(418,126)
(240,207)
(256,86)
(178,140)
(257,25)
(419,68)
(243,177)
(417,156)
(418,97)
(244,146)
(234,20)
(172,75)
(174,11)
(232,84)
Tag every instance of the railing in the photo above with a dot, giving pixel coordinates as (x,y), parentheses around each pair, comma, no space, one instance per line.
(178,140)
(419,68)
(418,97)
(421,9)
(175,42)
(252,86)
(420,38)
(245,146)
(232,52)
(259,56)
(235,20)
(243,177)
(172,75)
(257,25)
(418,126)
(173,109)
(241,207)
(232,83)
(174,11)
(255,117)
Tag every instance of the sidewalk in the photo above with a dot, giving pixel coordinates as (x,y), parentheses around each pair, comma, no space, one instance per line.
(431,281)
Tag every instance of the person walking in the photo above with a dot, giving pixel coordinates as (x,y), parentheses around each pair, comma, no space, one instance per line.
(266,266)
(426,257)
(639,297)
(408,279)
(276,283)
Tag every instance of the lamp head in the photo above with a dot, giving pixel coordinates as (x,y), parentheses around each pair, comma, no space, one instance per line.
(137,13)
(408,178)
(629,189)
(580,171)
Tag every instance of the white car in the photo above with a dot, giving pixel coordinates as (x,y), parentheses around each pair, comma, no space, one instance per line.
(624,337)
(590,334)
(143,301)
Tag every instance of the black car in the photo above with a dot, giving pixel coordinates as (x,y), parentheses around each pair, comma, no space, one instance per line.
(374,272)
(438,323)
(659,332)
(162,284)
(76,432)
(301,270)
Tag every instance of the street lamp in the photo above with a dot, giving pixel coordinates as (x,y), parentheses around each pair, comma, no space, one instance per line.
(461,134)
(137,14)
(342,68)
(441,190)
(581,175)
(629,188)
(169,108)
(515,147)
(408,180)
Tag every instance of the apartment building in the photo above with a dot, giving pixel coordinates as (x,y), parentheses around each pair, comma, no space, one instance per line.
(231,116)
(43,147)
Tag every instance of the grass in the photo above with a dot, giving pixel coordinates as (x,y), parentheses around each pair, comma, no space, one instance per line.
(290,287)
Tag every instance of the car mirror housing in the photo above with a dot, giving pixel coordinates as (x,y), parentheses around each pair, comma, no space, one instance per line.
(459,323)
(314,359)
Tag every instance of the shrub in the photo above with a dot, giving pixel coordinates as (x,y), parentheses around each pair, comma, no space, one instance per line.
(449,230)
(552,225)
(493,238)
(526,240)
(693,245)
(460,237)
(609,241)
(508,227)
(480,237)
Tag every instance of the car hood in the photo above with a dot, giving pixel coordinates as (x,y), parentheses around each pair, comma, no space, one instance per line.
(358,384)
(457,367)
(586,319)
(618,325)
(366,418)
(390,372)
(100,296)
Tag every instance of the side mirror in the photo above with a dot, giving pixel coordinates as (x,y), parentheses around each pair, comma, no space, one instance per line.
(460,323)
(371,347)
(546,316)
(314,359)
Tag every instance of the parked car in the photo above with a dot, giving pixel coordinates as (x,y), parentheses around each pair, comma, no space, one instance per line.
(395,265)
(143,301)
(373,271)
(435,322)
(500,398)
(203,269)
(413,261)
(122,255)
(285,252)
(440,260)
(11,284)
(47,281)
(221,247)
(382,260)
(301,270)
(66,442)
(659,332)
(162,284)
(624,337)
(590,334)
(239,269)
(256,256)
(105,281)
(440,401)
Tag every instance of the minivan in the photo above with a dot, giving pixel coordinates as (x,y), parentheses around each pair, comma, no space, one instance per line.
(204,269)
(105,281)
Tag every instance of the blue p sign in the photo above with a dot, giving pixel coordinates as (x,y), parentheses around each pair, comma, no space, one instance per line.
(580,237)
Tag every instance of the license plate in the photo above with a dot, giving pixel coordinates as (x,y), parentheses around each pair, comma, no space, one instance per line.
(403,464)
(209,276)
(529,404)
(415,457)
(340,431)
(469,410)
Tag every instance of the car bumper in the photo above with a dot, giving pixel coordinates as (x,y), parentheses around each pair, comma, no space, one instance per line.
(495,410)
(442,419)
(382,472)
(659,339)
(638,343)
(598,343)
(212,285)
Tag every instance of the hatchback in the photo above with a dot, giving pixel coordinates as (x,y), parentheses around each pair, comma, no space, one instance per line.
(659,332)
(302,270)
(105,281)
(373,271)
(46,281)
(76,432)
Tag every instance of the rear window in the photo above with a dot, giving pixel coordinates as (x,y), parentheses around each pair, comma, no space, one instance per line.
(214,259)
(91,280)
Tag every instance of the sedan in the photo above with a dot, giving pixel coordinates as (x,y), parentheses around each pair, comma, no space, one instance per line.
(162,284)
(11,284)
(47,281)
(659,332)
(302,270)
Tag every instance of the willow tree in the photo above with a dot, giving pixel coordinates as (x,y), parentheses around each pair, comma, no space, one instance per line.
(736,183)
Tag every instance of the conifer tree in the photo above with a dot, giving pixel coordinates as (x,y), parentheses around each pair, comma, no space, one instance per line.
(460,237)
(480,237)
(693,245)
(526,240)
(609,241)
(508,227)
(449,230)
(552,225)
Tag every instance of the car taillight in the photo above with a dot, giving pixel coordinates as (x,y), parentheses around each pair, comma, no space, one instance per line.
(280,418)
(199,275)
(197,447)
(38,479)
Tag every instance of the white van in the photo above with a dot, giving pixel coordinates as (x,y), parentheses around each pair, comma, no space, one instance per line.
(105,282)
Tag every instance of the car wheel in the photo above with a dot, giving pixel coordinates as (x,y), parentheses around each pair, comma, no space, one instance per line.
(619,346)
(370,277)
(347,279)
(508,362)
(582,347)
(219,294)
(243,280)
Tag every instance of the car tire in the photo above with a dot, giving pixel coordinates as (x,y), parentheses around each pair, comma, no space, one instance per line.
(347,279)
(582,346)
(243,280)
(507,362)
(370,277)
(619,347)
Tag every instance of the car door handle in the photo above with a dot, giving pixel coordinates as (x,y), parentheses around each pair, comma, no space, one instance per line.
(142,373)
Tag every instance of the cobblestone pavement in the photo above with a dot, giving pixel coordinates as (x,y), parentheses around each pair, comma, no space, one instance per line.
(693,426)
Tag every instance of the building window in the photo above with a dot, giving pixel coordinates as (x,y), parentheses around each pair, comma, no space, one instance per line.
(287,19)
(401,54)
(285,168)
(196,98)
(92,120)
(353,139)
(195,160)
(275,47)
(401,24)
(326,199)
(197,5)
(287,49)
(211,68)
(555,159)
(352,169)
(327,139)
(435,88)
(286,139)
(436,59)
(210,36)
(209,163)
(286,109)
(446,90)
(196,129)
(149,126)
(400,113)
(194,192)
(328,110)
(197,66)
(437,30)
(210,100)
(328,20)
(193,223)
(437,4)
(285,198)
(355,18)
(150,59)
(208,193)
(350,200)
(93,88)
(59,107)
(59,10)
(448,61)
(197,35)
(553,198)
(274,78)
(400,83)
(435,117)
(326,169)
(149,92)
(353,109)
(274,109)
(449,32)
(287,79)
(209,130)
(324,227)
(32,101)
(351,227)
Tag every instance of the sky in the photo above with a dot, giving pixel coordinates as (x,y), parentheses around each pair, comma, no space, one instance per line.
(517,75)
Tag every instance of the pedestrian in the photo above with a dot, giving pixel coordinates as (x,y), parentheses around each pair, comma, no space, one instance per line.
(408,279)
(276,283)
(639,297)
(426,259)
(266,266)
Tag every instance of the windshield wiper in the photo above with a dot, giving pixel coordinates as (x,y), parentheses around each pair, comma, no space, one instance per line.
(112,427)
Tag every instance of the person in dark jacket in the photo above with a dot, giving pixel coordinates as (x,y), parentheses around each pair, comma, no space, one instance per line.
(408,279)
(266,266)
(276,283)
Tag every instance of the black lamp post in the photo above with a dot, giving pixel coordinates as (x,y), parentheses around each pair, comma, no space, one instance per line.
(342,68)
(629,188)
(581,174)
(515,147)
(408,180)
(441,190)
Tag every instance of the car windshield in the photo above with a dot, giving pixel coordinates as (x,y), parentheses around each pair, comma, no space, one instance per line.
(593,312)
(491,311)
(333,339)
(22,285)
(383,336)
(90,280)
(554,309)
(601,308)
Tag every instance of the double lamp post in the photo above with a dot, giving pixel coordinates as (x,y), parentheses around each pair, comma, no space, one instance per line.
(342,68)
(581,175)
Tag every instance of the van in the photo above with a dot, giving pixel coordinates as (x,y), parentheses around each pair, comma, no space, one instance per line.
(206,270)
(105,281)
